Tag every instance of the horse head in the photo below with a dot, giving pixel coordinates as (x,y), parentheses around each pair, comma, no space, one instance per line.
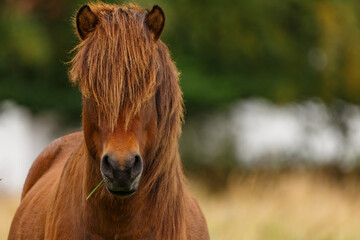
(119,67)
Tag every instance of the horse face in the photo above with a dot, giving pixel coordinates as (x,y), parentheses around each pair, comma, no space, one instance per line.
(121,152)
(121,78)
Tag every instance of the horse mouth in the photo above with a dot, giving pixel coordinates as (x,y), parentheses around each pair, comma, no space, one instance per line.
(121,193)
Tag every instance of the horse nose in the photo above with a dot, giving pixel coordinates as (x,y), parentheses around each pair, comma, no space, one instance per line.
(121,174)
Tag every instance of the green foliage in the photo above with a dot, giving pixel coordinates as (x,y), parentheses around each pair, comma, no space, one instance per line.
(284,50)
(33,52)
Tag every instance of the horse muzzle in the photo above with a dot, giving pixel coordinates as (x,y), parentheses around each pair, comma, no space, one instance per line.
(121,180)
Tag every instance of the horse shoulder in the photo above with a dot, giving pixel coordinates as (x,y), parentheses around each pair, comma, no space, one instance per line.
(195,221)
(48,157)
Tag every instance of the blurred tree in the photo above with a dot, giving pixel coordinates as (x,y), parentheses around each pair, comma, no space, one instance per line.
(33,50)
(284,50)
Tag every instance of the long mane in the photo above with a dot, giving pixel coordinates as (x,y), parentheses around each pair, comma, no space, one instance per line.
(118,65)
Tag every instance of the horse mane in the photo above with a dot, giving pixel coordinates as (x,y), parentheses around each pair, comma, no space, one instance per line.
(120,67)
(120,39)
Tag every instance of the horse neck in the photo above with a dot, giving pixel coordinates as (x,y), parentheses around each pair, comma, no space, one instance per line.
(158,201)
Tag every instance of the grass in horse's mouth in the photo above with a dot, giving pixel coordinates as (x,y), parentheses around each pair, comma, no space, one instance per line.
(95,189)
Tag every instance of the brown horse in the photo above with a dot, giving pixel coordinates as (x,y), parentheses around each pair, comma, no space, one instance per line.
(132,115)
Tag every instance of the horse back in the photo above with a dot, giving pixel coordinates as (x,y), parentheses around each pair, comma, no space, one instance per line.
(49,156)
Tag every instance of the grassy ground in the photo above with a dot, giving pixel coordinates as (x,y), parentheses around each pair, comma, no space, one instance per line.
(290,206)
(287,206)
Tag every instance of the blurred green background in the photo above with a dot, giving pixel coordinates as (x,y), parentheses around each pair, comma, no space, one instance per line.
(283,50)
(298,57)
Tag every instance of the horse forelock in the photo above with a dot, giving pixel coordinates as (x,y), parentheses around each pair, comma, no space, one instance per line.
(117,65)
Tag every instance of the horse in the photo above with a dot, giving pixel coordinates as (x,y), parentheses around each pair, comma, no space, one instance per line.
(132,113)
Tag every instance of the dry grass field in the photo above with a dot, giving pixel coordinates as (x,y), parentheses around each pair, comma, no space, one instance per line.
(8,205)
(265,206)
(286,206)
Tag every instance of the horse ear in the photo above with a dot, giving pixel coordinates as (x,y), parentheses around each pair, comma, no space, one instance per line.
(155,20)
(86,21)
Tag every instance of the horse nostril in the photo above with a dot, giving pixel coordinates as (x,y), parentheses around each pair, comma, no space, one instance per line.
(106,167)
(137,166)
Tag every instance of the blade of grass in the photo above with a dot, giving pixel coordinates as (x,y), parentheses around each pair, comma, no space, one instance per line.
(95,189)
